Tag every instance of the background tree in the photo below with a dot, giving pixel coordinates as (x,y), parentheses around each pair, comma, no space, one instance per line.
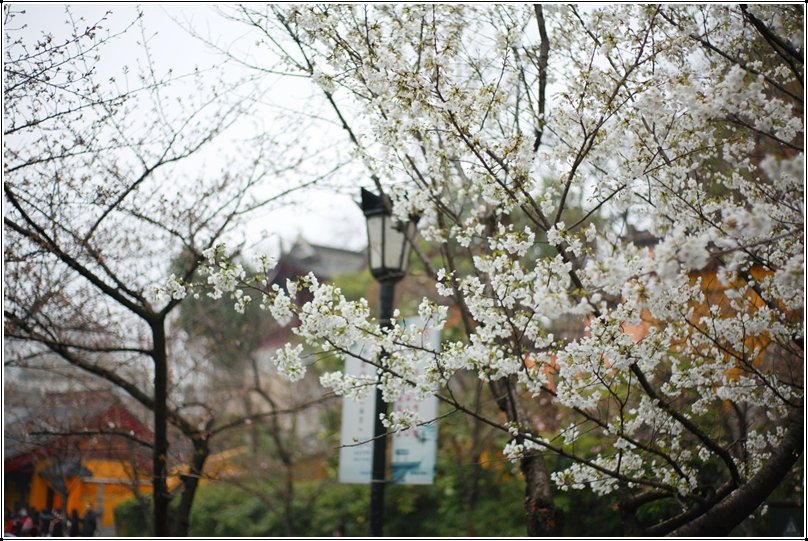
(286,445)
(680,129)
(108,175)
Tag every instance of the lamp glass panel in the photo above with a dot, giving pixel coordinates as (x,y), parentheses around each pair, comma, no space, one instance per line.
(394,242)
(375,240)
(410,228)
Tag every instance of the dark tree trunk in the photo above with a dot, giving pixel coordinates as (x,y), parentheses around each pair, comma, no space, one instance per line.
(190,483)
(160,451)
(544,519)
(472,496)
(472,485)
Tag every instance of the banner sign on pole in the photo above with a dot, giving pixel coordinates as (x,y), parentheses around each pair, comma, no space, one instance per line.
(355,461)
(414,451)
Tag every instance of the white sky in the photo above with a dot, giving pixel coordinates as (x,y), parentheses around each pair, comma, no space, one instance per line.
(321,216)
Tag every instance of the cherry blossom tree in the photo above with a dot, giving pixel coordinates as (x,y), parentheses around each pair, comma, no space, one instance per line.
(109,174)
(616,195)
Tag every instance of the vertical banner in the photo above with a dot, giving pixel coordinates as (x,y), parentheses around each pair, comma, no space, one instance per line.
(414,450)
(355,461)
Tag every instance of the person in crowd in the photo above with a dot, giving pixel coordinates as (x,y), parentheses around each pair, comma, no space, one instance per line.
(43,524)
(57,525)
(36,517)
(74,530)
(8,522)
(16,524)
(26,524)
(339,531)
(90,522)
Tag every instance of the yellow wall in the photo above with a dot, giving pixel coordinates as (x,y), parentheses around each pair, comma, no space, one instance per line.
(112,482)
(38,497)
(114,495)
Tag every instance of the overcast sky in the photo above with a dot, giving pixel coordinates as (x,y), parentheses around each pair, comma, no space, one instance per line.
(321,216)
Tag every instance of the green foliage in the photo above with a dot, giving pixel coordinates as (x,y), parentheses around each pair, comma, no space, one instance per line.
(338,506)
(354,285)
(223,510)
(129,519)
(133,520)
(440,510)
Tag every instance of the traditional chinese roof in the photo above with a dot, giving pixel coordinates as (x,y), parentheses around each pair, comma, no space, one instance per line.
(324,261)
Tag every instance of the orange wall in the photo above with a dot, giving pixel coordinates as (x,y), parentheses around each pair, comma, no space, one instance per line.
(111,483)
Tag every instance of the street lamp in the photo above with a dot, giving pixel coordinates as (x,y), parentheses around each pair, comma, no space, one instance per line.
(388,251)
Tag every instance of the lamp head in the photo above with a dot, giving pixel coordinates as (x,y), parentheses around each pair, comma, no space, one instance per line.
(389,242)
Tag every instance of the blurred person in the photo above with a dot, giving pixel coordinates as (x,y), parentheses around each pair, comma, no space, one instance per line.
(36,518)
(26,523)
(8,522)
(57,525)
(43,524)
(90,522)
(73,530)
(16,524)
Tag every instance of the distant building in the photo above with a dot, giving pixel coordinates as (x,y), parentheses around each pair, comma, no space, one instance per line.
(325,262)
(64,455)
(68,453)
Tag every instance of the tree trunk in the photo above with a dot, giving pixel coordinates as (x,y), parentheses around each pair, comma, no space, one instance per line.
(544,519)
(160,451)
(472,486)
(742,502)
(190,483)
(470,503)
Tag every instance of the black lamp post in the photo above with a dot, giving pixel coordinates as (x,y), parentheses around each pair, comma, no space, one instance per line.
(388,253)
